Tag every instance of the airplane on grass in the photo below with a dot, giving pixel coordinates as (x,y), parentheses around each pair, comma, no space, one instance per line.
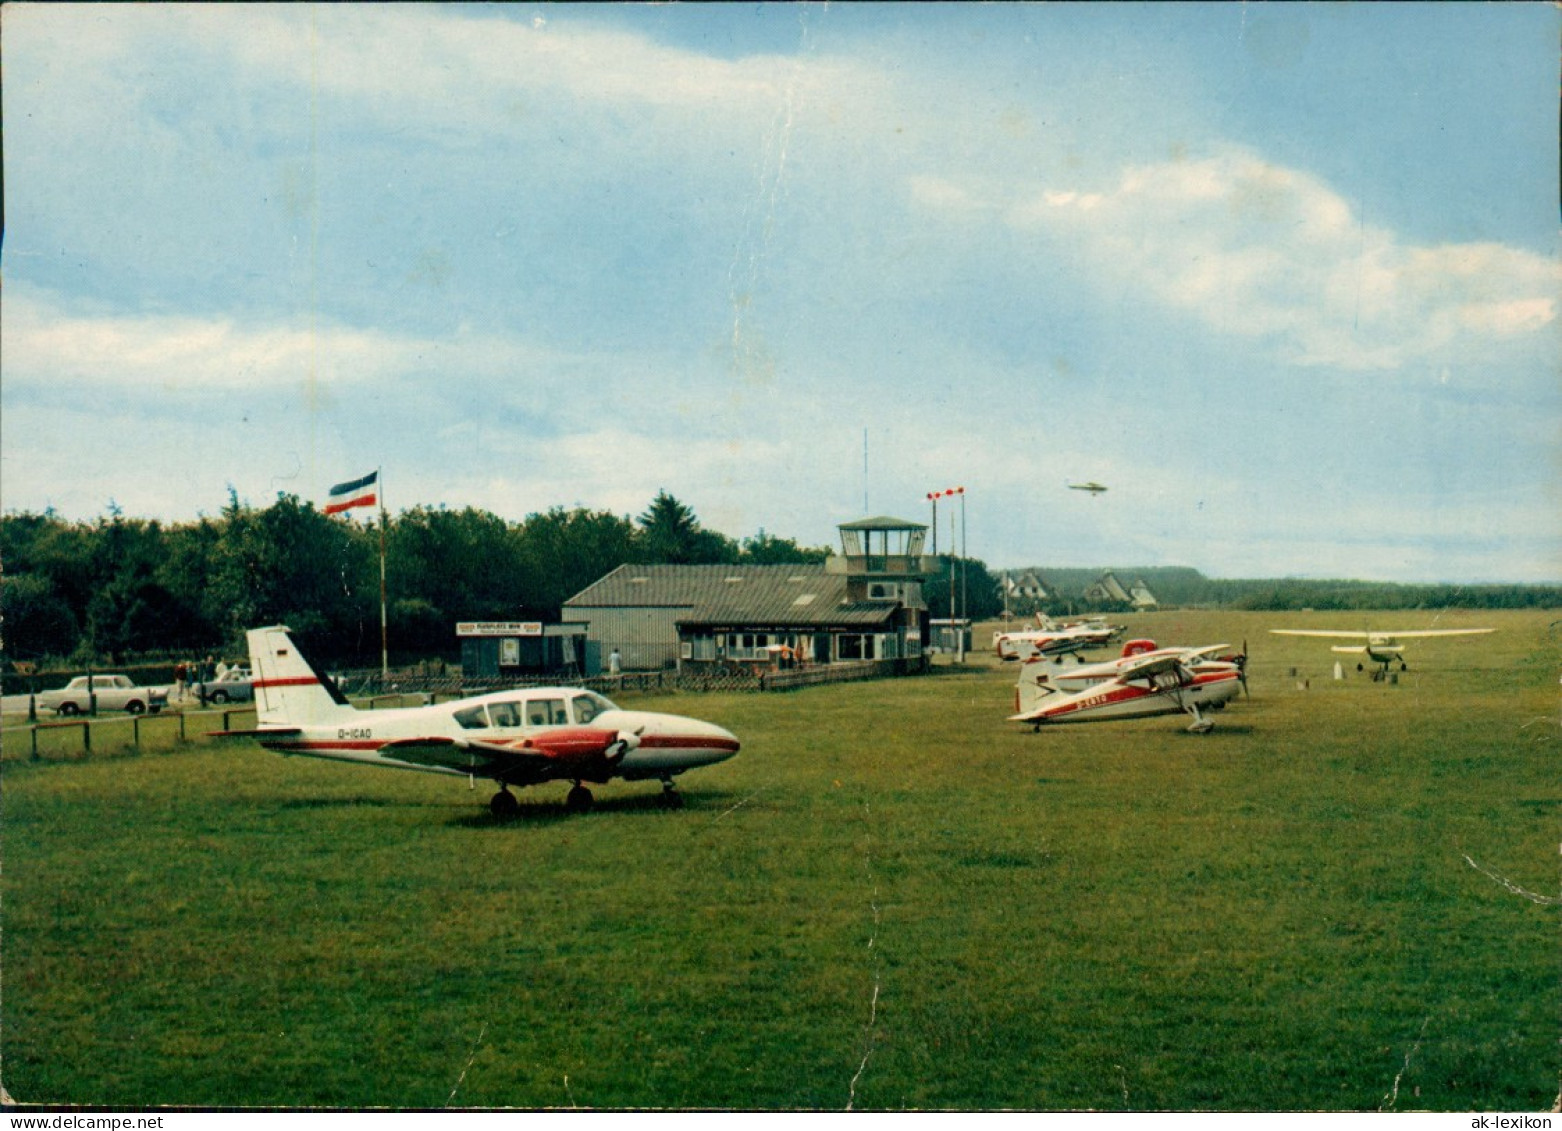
(1141,682)
(520,737)
(1052,639)
(1381,648)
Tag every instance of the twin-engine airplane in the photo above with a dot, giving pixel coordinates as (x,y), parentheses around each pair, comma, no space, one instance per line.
(1093,487)
(1141,682)
(1381,647)
(520,737)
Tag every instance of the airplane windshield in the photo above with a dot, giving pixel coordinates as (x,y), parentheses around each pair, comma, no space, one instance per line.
(588,705)
(472,718)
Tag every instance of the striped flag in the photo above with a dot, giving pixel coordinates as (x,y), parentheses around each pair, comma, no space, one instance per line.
(356,493)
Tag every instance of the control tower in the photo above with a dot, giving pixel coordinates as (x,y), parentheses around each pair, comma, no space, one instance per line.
(882,560)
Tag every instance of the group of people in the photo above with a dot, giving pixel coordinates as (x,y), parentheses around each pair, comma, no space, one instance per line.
(191,677)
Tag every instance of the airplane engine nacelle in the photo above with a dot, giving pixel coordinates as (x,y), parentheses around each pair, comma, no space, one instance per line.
(1138,647)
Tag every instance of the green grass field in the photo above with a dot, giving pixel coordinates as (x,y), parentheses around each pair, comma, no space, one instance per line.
(1345,897)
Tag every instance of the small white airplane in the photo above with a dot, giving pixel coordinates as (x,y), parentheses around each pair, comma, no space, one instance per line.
(1059,674)
(520,737)
(1051,639)
(1380,647)
(1093,487)
(1155,681)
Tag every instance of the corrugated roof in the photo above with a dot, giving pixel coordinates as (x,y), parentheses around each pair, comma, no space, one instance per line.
(735,594)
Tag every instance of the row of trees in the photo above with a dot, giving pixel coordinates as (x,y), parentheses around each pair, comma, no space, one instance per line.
(1176,586)
(120,588)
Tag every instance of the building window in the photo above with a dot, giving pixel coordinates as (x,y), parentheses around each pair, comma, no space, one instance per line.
(747,645)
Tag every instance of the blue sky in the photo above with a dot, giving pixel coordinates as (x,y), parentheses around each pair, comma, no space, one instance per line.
(1284,277)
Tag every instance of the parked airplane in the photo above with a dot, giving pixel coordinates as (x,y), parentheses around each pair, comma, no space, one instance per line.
(1059,674)
(520,737)
(1160,682)
(1052,639)
(1380,647)
(1093,487)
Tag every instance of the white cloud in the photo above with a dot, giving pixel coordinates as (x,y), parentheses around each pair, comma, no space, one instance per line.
(1258,251)
(47,344)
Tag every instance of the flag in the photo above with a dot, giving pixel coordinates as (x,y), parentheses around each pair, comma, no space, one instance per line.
(355,493)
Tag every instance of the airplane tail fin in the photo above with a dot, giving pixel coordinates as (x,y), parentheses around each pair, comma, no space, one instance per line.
(289,691)
(1032,687)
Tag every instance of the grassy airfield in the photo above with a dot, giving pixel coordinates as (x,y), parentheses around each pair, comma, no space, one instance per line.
(1345,897)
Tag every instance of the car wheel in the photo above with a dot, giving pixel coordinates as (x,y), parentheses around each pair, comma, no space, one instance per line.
(135,707)
(68,709)
(219,696)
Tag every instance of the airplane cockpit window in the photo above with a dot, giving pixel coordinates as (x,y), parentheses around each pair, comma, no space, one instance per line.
(588,705)
(472,718)
(504,714)
(545,713)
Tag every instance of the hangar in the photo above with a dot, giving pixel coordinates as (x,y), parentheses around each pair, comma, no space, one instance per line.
(863,604)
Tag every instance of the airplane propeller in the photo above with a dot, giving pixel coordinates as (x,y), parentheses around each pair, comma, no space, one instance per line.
(1241,660)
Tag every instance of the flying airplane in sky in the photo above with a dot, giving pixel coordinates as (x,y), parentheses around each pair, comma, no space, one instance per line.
(1052,639)
(1381,647)
(1093,487)
(520,737)
(1160,682)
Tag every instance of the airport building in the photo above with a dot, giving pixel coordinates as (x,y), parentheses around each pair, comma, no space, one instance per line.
(863,604)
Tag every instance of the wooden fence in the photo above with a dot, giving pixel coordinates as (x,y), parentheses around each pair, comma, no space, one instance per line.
(52,739)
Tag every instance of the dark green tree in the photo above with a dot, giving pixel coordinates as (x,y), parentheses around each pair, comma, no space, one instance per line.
(38,622)
(671,534)
(561,552)
(767,549)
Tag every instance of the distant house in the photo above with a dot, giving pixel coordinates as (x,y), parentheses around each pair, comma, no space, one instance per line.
(865,604)
(1141,595)
(1107,590)
(1026,586)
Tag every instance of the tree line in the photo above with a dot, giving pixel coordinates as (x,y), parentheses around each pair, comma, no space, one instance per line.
(120,588)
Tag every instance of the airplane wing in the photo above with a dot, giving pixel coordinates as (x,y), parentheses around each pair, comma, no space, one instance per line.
(1322,632)
(1441,632)
(1379,635)
(1143,668)
(562,752)
(1206,651)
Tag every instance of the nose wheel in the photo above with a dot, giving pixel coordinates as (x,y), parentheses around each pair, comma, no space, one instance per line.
(671,798)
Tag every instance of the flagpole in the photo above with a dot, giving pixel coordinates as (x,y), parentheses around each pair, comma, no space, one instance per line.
(384,629)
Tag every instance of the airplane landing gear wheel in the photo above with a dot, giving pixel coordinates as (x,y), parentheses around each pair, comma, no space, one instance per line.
(671,798)
(504,806)
(579,799)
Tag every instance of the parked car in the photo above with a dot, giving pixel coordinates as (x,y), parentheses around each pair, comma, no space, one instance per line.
(113,693)
(236,685)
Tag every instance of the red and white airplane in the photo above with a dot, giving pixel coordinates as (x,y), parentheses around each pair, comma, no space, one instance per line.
(1381,648)
(520,737)
(1142,681)
(1053,639)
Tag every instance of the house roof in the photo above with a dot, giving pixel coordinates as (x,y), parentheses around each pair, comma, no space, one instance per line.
(800,595)
(1108,585)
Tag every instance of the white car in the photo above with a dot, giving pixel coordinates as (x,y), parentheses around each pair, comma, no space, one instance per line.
(112,692)
(235,685)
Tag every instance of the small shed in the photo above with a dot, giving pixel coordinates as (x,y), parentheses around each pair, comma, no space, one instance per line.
(495,649)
